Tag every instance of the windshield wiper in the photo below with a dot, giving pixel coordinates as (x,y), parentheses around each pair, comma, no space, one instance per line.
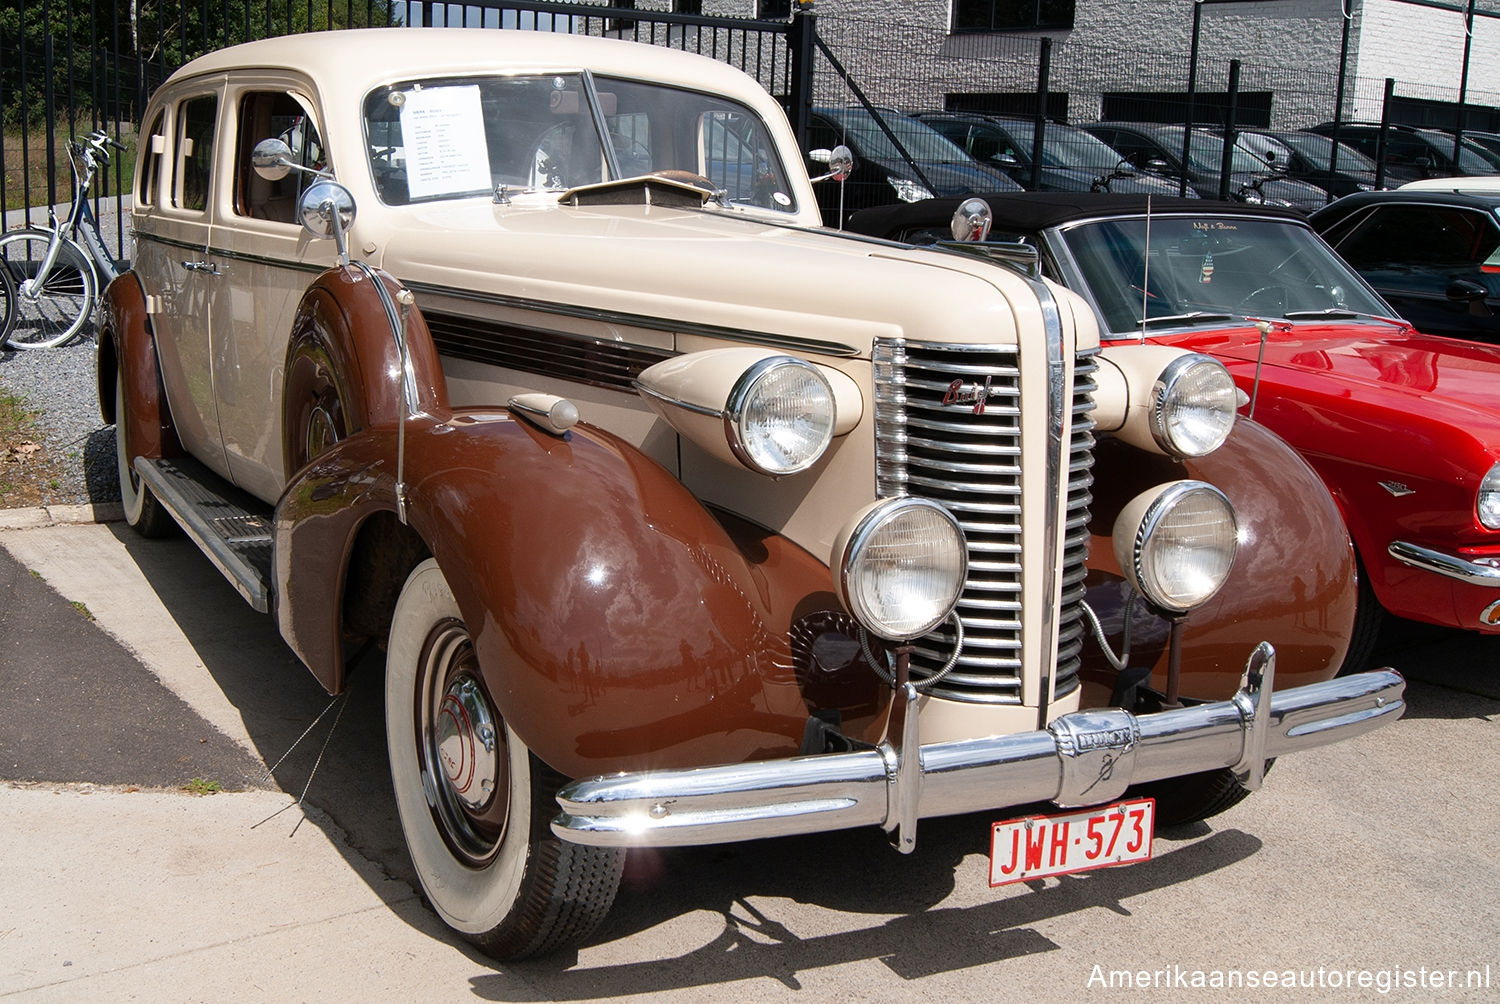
(1196,317)
(1339,313)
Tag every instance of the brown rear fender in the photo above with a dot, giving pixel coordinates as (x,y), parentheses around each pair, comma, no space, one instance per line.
(127,347)
(617,621)
(341,359)
(1292,583)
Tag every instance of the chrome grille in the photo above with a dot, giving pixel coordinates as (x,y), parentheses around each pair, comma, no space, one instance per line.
(948,428)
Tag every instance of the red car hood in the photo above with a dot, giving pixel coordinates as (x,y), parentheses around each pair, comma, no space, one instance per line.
(1372,363)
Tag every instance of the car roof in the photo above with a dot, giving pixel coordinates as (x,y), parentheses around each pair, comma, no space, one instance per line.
(1478,185)
(395,53)
(1035,211)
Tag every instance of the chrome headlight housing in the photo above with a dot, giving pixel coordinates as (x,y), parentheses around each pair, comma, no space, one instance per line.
(1176,543)
(1488,505)
(899,567)
(780,416)
(1193,406)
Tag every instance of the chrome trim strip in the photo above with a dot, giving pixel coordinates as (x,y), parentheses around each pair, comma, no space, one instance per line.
(813,794)
(676,402)
(1448,565)
(254,259)
(393,316)
(790,342)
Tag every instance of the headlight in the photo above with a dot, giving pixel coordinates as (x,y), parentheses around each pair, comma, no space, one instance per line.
(908,190)
(899,567)
(780,416)
(1176,543)
(1192,406)
(1489,499)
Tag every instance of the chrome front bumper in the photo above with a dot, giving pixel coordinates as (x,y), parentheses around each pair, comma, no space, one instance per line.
(1083,758)
(1475,573)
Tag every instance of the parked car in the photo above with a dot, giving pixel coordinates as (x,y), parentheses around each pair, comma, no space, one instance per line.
(1403,428)
(1150,146)
(1308,157)
(924,165)
(1411,153)
(1488,140)
(1434,255)
(681,518)
(1072,160)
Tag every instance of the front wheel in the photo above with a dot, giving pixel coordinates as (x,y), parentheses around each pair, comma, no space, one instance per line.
(50,309)
(475,804)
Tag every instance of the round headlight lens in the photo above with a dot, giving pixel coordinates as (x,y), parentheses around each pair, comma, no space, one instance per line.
(1176,543)
(1489,499)
(1193,406)
(902,567)
(780,416)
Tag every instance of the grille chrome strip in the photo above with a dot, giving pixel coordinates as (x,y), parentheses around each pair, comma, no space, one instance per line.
(971,463)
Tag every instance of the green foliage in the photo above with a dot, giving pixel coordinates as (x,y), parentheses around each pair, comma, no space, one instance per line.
(104,61)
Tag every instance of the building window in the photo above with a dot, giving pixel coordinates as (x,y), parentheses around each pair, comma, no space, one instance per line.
(773,10)
(1012,15)
(694,7)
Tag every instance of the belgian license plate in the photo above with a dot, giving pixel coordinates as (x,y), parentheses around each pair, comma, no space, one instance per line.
(1038,846)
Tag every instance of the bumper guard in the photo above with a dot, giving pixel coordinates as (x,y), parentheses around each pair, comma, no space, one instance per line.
(1083,758)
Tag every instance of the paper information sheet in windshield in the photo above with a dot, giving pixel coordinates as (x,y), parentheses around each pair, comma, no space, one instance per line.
(443,132)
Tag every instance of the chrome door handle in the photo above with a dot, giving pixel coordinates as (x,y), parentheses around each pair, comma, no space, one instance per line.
(201,266)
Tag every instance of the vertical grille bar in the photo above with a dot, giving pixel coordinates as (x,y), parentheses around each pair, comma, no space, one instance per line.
(948,428)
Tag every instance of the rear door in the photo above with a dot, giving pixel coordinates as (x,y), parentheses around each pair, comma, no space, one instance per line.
(172,257)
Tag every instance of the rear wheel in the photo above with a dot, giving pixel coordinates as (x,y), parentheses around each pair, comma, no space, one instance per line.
(475,804)
(50,309)
(7,306)
(142,510)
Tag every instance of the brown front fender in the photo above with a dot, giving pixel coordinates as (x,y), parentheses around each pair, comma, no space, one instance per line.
(617,622)
(1292,583)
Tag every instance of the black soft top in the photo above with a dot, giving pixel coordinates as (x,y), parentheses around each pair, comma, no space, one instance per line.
(1036,211)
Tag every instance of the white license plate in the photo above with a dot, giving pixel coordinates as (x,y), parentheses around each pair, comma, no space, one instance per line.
(1038,846)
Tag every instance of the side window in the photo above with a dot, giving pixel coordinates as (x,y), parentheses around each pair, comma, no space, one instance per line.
(274,115)
(195,153)
(150,154)
(1419,235)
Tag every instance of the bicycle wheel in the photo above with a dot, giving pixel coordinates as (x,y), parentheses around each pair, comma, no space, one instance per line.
(55,310)
(7,306)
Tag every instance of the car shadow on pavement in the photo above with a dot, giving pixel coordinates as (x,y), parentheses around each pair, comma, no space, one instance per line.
(846,872)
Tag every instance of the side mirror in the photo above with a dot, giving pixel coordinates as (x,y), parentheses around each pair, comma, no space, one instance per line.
(326,209)
(971,221)
(1472,293)
(272,159)
(840,161)
(1158,165)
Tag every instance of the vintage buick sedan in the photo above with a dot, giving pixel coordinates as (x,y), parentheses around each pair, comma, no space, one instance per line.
(681,519)
(1403,428)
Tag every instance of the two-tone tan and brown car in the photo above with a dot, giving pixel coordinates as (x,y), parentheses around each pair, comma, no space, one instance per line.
(682,519)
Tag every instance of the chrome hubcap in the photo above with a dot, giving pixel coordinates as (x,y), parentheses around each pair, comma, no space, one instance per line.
(466,744)
(462,750)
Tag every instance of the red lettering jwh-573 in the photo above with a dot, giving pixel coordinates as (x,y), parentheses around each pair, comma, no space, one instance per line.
(1038,846)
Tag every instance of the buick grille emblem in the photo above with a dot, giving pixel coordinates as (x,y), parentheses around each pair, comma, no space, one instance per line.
(969,394)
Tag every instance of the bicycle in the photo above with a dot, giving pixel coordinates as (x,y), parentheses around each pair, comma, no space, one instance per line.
(56,270)
(7,305)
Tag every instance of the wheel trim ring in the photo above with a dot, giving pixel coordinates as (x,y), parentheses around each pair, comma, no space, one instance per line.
(473,828)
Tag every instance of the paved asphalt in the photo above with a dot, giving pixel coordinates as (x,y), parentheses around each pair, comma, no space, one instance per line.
(1370,860)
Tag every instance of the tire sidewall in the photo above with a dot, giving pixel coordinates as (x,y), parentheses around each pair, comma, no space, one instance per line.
(471,900)
(132,493)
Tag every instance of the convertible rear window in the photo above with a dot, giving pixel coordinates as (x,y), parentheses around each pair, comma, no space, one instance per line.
(454,138)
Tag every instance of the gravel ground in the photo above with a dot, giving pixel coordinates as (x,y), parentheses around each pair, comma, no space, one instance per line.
(60,384)
(77,463)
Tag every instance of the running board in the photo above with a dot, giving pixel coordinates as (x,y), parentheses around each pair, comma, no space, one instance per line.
(230,526)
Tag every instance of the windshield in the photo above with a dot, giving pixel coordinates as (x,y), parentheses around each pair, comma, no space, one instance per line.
(1207,154)
(1319,151)
(1237,266)
(1065,146)
(923,142)
(454,138)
